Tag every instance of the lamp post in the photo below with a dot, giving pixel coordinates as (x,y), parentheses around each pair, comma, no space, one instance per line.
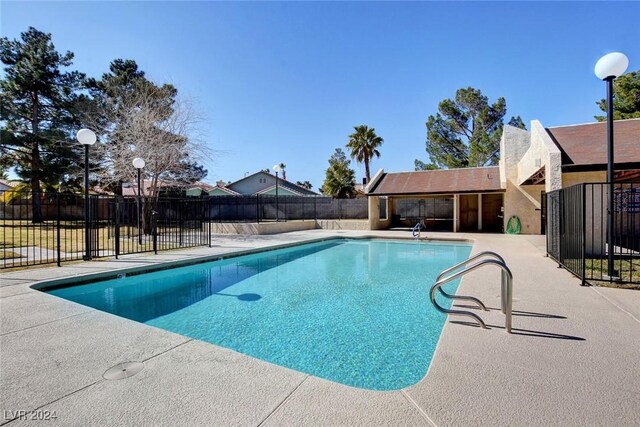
(608,68)
(276,169)
(138,163)
(87,138)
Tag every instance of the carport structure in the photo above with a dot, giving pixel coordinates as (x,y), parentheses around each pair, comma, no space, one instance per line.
(469,199)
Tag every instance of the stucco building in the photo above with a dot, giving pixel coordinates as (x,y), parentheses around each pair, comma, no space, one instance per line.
(531,163)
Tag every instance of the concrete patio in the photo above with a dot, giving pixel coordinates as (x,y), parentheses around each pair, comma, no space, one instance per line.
(573,357)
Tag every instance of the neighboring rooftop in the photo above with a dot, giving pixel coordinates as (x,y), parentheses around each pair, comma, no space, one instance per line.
(443,181)
(131,189)
(260,181)
(586,144)
(8,183)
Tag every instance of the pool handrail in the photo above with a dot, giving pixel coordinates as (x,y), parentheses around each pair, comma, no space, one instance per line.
(506,297)
(415,231)
(465,262)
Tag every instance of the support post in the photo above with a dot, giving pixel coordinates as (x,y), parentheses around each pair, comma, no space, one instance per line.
(154,225)
(116,221)
(87,227)
(58,227)
(456,212)
(479,211)
(610,177)
(138,209)
(277,215)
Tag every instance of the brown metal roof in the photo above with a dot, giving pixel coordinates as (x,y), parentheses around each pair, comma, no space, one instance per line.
(587,144)
(444,181)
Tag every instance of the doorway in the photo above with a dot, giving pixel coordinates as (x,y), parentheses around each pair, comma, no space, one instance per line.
(492,213)
(468,212)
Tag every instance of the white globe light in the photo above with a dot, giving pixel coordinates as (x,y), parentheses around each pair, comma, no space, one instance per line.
(138,163)
(86,137)
(613,64)
(276,168)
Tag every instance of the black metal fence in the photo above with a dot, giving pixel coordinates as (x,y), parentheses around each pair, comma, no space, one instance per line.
(126,225)
(264,208)
(577,236)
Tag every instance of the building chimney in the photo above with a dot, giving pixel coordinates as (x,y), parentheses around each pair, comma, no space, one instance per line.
(364,181)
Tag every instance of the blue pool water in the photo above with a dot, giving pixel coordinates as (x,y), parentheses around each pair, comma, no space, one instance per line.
(352,311)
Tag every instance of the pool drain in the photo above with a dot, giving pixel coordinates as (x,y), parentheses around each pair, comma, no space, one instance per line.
(123,370)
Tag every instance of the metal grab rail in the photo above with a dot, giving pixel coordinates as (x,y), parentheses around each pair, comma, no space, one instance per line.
(467,261)
(415,231)
(507,292)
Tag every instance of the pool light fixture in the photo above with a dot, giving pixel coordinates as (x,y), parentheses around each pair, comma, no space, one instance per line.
(87,138)
(276,169)
(608,68)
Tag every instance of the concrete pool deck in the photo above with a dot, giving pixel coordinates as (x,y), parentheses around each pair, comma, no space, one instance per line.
(573,359)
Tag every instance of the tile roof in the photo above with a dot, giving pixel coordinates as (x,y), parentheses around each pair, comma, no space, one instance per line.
(587,144)
(468,180)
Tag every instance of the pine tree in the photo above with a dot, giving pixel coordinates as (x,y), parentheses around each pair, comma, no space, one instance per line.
(626,102)
(39,113)
(466,131)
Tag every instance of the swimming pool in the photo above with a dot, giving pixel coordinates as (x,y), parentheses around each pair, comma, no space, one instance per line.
(354,311)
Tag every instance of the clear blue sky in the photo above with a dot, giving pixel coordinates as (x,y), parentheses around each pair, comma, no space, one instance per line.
(286,82)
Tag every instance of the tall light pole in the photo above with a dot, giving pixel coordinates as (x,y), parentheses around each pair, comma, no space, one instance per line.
(608,68)
(87,138)
(276,169)
(138,163)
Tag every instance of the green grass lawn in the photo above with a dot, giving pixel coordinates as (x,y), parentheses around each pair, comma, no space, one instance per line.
(7,254)
(629,271)
(44,235)
(15,234)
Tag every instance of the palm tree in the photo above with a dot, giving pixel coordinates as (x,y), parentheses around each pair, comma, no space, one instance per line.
(364,144)
(283,167)
(340,179)
(305,184)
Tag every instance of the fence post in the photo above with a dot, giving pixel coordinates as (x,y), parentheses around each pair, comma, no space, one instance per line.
(154,225)
(209,219)
(258,208)
(315,208)
(116,221)
(584,233)
(180,224)
(560,227)
(96,226)
(204,220)
(58,226)
(546,225)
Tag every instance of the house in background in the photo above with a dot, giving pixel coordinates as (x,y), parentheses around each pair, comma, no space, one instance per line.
(7,184)
(264,183)
(220,189)
(531,163)
(261,182)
